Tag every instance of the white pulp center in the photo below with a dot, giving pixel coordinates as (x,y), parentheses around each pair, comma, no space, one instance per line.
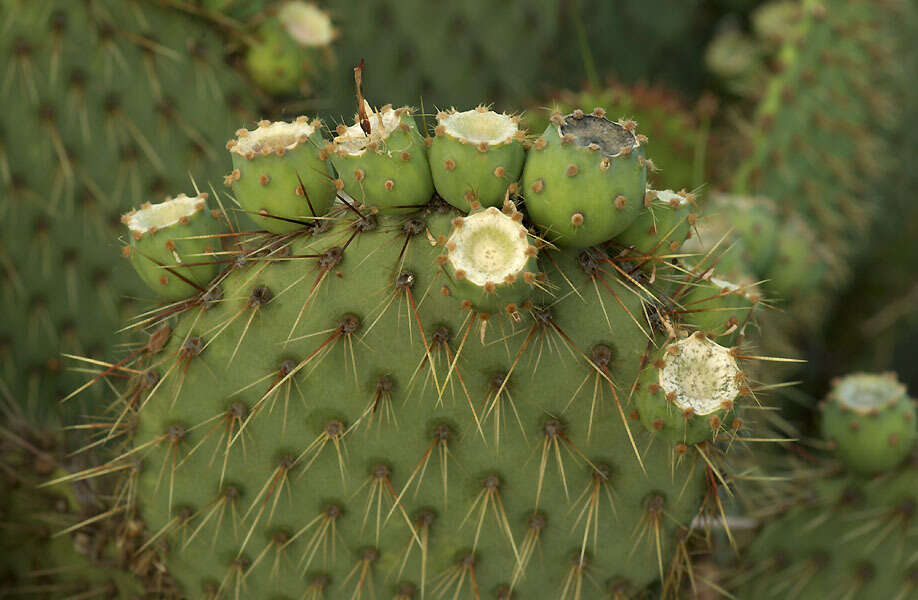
(864,392)
(489,246)
(382,124)
(307,24)
(668,196)
(702,375)
(276,136)
(164,214)
(480,126)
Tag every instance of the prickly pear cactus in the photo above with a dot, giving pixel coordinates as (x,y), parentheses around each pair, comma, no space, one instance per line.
(841,535)
(401,399)
(106,104)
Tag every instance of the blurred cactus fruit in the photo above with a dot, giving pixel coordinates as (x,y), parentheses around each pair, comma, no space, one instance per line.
(800,263)
(476,157)
(172,245)
(869,421)
(288,47)
(584,178)
(490,262)
(281,175)
(687,391)
(753,220)
(381,160)
(735,58)
(660,229)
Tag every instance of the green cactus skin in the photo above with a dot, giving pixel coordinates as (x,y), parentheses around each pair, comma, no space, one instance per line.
(106,104)
(355,355)
(870,421)
(584,179)
(172,245)
(476,157)
(489,262)
(281,175)
(756,223)
(385,166)
(687,392)
(718,307)
(660,228)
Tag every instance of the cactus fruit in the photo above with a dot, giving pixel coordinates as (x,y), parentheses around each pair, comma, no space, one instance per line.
(830,534)
(717,307)
(688,392)
(677,133)
(402,399)
(382,160)
(280,173)
(288,47)
(870,422)
(172,245)
(584,178)
(106,104)
(660,228)
(467,148)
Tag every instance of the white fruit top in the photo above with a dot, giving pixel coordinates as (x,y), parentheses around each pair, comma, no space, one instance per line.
(480,125)
(354,142)
(164,214)
(489,247)
(269,138)
(306,23)
(700,374)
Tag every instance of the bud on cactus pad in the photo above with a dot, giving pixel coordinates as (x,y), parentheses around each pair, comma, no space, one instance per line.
(404,400)
(476,157)
(660,228)
(584,178)
(869,421)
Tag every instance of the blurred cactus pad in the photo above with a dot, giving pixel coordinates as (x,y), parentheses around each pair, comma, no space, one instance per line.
(106,104)
(392,397)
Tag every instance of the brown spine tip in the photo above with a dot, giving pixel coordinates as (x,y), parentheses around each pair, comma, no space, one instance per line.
(539,144)
(264,179)
(538,185)
(389,184)
(449,164)
(499,171)
(571,170)
(577,219)
(359,174)
(620,202)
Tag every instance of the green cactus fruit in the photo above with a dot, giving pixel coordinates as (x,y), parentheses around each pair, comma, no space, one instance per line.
(735,58)
(106,104)
(172,245)
(869,421)
(476,157)
(281,175)
(287,52)
(660,228)
(489,261)
(584,178)
(686,393)
(755,221)
(717,307)
(382,159)
(364,430)
(677,133)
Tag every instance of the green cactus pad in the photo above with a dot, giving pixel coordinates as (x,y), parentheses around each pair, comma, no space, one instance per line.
(476,157)
(687,393)
(172,245)
(286,53)
(386,167)
(429,442)
(800,265)
(280,174)
(489,261)
(870,422)
(718,307)
(584,179)
(660,228)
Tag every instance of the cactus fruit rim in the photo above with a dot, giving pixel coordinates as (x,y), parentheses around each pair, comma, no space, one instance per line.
(165,214)
(597,132)
(700,375)
(489,247)
(672,198)
(353,141)
(307,24)
(480,126)
(269,137)
(865,393)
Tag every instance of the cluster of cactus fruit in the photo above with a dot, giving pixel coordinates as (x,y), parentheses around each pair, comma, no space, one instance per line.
(465,364)
(845,528)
